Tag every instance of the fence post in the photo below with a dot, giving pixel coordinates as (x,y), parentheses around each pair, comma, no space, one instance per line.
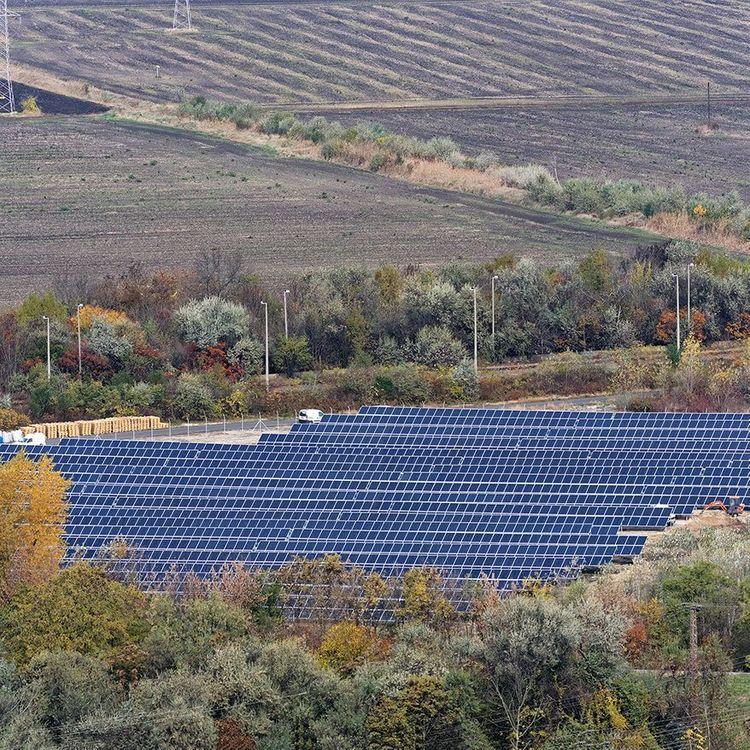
(206,418)
(170,430)
(225,423)
(188,428)
(242,416)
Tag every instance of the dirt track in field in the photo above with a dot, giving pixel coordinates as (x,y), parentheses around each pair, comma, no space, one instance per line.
(88,196)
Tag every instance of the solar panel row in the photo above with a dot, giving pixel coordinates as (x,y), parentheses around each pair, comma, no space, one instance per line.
(508,494)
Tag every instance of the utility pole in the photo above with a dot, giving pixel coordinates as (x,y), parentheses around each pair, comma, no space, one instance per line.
(677,297)
(286,318)
(268,369)
(689,313)
(49,354)
(80,360)
(7,100)
(182,17)
(476,335)
(708,103)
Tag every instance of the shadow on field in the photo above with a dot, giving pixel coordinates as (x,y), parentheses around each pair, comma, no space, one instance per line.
(56,104)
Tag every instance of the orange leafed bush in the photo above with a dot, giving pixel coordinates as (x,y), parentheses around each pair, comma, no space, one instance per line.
(89,313)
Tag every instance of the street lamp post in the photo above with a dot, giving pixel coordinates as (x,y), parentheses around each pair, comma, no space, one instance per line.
(476,335)
(677,300)
(286,318)
(268,369)
(80,360)
(49,354)
(689,309)
(494,279)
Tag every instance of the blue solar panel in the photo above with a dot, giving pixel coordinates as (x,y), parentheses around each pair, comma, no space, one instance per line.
(506,494)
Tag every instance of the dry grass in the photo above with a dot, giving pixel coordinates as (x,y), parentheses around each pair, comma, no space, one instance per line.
(680,226)
(440,174)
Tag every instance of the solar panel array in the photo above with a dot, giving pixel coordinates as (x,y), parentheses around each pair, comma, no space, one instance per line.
(506,494)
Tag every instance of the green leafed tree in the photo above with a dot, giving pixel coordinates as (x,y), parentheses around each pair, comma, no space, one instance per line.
(81,609)
(291,356)
(211,321)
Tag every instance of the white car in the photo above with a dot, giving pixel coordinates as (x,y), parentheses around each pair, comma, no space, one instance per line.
(310,416)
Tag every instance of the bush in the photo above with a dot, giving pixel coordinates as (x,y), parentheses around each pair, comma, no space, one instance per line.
(378,161)
(106,341)
(192,398)
(435,346)
(356,384)
(292,355)
(30,106)
(583,195)
(248,353)
(544,190)
(464,382)
(404,384)
(387,351)
(80,610)
(10,419)
(211,321)
(485,161)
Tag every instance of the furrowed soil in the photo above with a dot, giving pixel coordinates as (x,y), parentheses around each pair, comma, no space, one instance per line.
(655,144)
(310,52)
(85,196)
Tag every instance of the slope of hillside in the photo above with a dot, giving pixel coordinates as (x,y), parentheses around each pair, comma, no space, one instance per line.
(664,144)
(88,196)
(292,52)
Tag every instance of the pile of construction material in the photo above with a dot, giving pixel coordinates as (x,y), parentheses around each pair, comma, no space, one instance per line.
(84,427)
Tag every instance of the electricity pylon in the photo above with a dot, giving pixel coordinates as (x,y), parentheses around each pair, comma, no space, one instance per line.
(7,101)
(182,18)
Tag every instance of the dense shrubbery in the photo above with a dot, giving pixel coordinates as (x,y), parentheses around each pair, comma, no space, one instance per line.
(368,145)
(89,662)
(321,654)
(173,346)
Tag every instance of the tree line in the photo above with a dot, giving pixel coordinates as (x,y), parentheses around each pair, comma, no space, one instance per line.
(192,344)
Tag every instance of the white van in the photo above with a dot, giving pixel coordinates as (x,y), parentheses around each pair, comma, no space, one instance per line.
(310,416)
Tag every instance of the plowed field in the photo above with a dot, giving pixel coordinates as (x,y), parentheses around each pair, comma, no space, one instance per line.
(85,196)
(304,51)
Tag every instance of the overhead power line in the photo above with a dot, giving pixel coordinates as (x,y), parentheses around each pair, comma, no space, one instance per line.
(7,100)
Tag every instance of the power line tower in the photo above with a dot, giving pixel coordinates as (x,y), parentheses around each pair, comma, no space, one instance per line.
(7,100)
(182,17)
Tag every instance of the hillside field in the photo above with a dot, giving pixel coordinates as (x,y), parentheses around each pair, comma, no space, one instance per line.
(87,195)
(664,144)
(326,51)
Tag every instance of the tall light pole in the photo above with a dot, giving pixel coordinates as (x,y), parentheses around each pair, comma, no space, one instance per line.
(49,354)
(476,335)
(268,369)
(494,279)
(677,299)
(286,318)
(80,360)
(689,311)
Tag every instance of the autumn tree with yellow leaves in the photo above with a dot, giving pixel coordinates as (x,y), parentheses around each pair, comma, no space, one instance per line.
(32,518)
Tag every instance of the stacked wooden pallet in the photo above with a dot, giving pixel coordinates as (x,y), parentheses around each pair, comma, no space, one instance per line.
(84,427)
